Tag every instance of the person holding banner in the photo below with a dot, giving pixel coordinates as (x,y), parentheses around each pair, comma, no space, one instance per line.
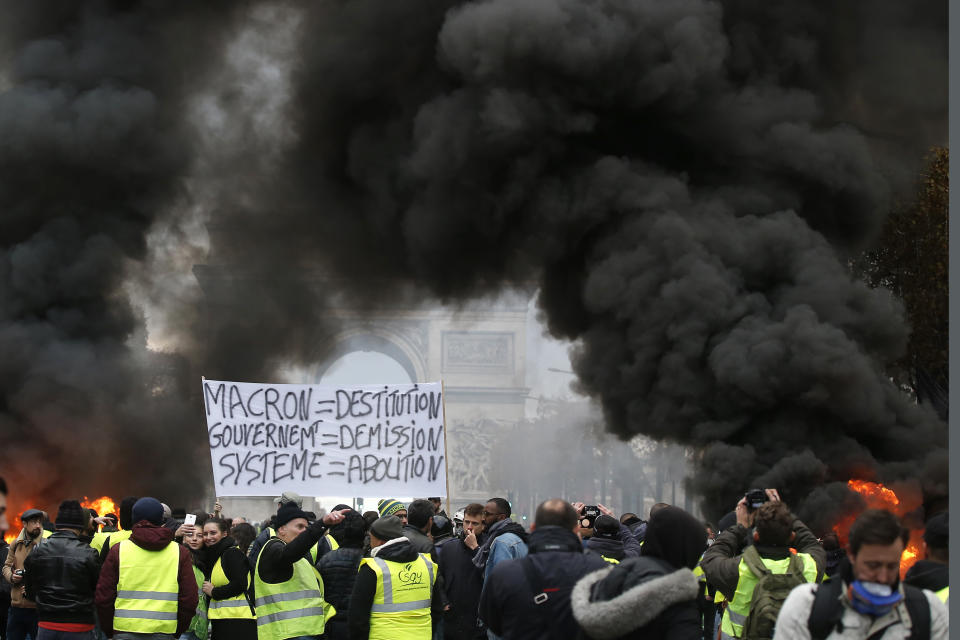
(228,579)
(289,594)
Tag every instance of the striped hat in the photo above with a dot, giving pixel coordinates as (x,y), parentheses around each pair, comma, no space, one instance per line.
(389,507)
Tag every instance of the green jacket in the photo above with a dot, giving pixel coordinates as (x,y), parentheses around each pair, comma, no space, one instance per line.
(721,562)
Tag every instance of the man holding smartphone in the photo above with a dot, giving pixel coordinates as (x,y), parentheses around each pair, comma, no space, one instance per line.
(463,580)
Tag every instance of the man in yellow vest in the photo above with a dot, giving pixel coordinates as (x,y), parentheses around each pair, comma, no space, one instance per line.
(288,593)
(146,589)
(325,544)
(735,568)
(394,596)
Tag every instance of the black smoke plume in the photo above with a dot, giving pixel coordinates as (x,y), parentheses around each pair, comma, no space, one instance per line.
(684,180)
(93,146)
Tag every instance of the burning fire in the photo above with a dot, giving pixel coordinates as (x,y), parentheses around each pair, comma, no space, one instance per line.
(878,496)
(102,505)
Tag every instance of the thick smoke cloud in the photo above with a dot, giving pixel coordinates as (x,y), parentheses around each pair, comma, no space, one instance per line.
(92,149)
(684,180)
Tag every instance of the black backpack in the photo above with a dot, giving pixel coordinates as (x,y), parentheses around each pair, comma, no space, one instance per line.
(827,611)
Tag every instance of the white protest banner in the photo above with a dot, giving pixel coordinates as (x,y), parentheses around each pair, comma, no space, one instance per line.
(365,442)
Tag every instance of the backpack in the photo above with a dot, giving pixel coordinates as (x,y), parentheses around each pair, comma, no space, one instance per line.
(768,596)
(827,611)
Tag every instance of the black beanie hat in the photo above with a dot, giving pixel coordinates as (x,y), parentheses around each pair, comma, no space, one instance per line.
(606,526)
(71,515)
(289,511)
(937,534)
(148,509)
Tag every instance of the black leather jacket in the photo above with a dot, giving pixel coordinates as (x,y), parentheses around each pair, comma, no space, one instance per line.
(60,575)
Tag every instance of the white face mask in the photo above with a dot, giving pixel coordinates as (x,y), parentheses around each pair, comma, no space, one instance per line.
(710,542)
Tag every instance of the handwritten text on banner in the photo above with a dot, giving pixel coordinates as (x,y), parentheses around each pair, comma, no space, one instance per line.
(368,441)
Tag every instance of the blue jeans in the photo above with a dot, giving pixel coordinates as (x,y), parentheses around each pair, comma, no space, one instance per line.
(22,624)
(47,634)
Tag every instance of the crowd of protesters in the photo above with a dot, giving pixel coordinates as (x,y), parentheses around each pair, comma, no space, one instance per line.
(411,571)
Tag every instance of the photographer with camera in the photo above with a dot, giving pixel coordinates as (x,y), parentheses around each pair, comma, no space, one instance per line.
(462,579)
(603,534)
(755,579)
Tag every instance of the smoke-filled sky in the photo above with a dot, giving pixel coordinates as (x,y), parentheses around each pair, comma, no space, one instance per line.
(683,182)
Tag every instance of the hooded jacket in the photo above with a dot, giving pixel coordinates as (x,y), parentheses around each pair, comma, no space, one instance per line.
(654,596)
(61,576)
(639,599)
(556,561)
(365,587)
(150,537)
(505,540)
(926,574)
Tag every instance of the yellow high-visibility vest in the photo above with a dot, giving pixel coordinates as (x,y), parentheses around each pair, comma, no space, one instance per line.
(199,625)
(401,604)
(117,537)
(735,615)
(147,589)
(315,549)
(944,595)
(235,608)
(292,608)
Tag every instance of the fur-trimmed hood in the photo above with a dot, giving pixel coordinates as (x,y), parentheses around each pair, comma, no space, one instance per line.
(605,618)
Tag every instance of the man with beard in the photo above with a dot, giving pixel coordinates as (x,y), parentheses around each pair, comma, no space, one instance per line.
(503,539)
(22,619)
(462,579)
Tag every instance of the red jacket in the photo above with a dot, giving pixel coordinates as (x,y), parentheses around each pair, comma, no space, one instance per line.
(152,538)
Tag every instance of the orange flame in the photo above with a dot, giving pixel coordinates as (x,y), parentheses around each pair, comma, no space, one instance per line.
(102,505)
(878,496)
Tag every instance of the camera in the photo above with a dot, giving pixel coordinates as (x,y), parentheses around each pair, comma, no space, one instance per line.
(756,498)
(588,515)
(19,572)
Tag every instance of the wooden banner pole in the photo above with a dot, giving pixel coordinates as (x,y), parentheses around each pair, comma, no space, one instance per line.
(446,454)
